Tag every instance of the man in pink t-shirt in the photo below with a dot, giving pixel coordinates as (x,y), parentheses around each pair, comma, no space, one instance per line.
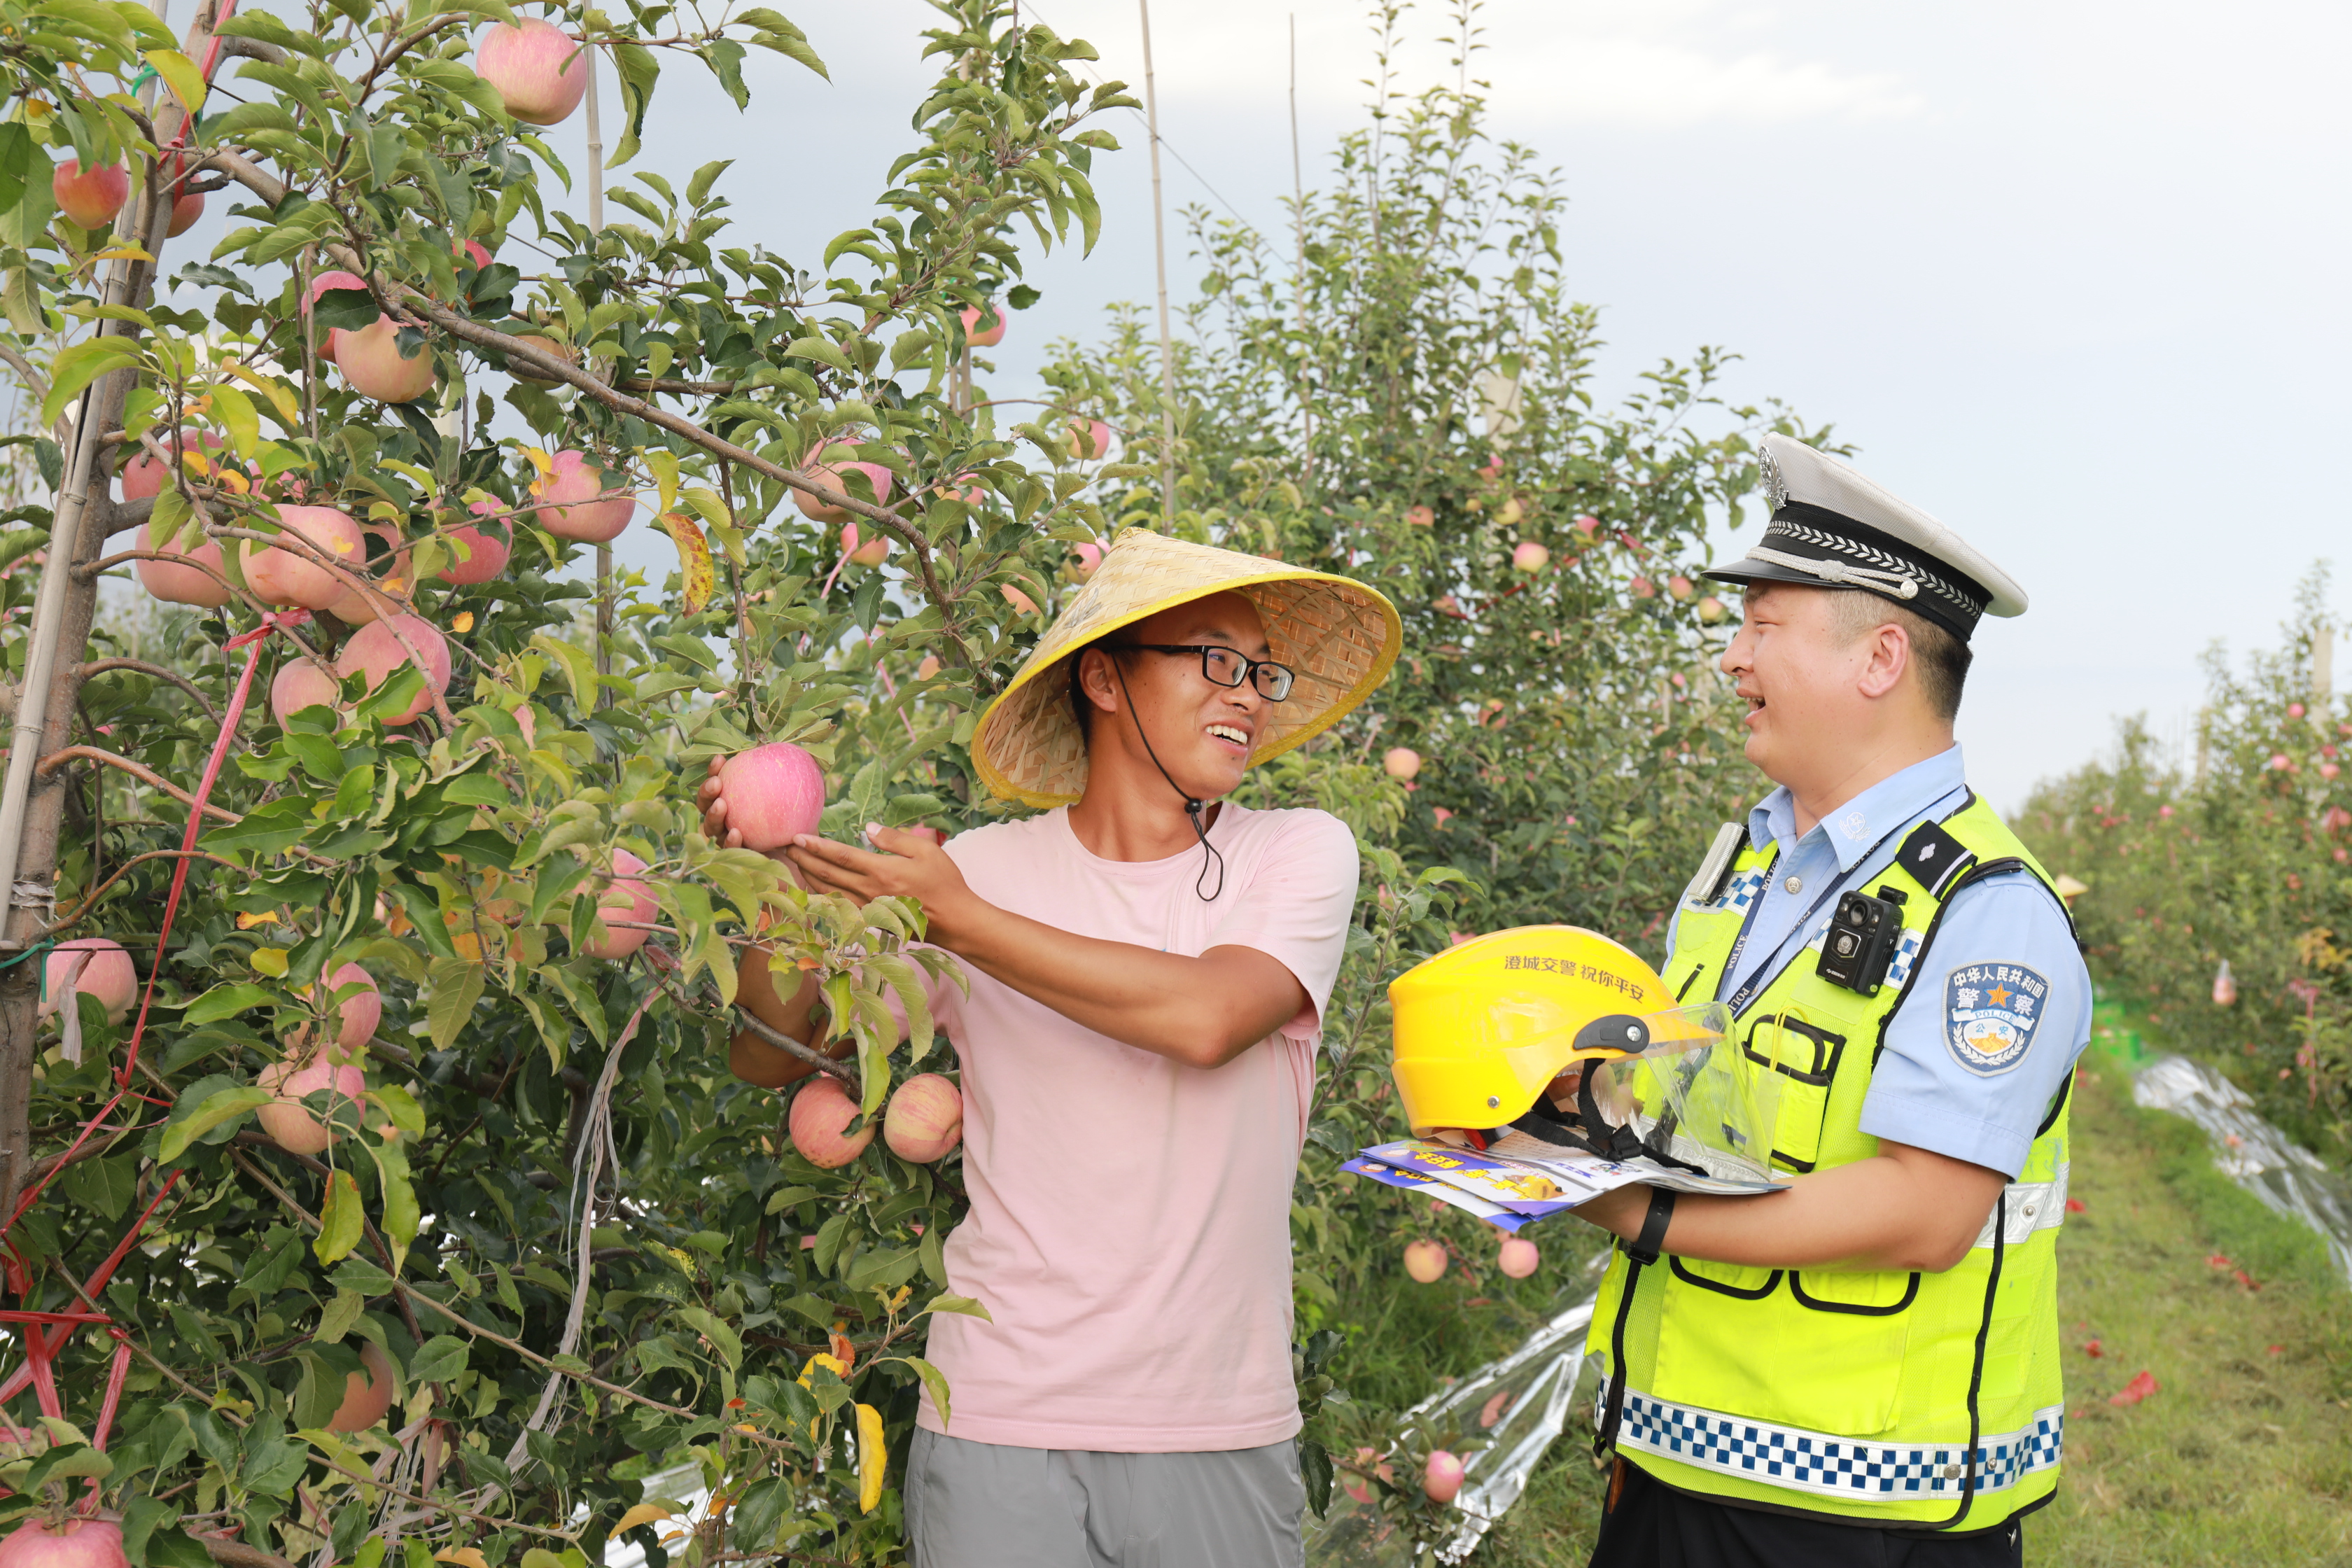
(1148,968)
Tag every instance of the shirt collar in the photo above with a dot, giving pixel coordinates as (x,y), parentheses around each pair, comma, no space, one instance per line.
(1869,816)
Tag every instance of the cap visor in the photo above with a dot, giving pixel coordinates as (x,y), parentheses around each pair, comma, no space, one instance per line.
(1743,573)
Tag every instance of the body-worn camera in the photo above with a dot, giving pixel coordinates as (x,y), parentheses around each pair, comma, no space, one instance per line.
(1860,942)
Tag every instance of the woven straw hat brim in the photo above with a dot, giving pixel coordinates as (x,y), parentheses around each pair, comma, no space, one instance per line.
(1338,636)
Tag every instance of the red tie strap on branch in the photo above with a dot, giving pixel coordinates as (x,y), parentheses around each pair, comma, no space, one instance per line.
(45,1333)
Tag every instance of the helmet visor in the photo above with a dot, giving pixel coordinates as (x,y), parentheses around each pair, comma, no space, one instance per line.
(1691,1096)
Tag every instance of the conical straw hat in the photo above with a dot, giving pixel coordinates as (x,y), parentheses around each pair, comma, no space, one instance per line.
(1338,636)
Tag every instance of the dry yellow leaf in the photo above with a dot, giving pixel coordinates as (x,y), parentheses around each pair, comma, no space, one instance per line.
(873,1457)
(644,1513)
(464,1556)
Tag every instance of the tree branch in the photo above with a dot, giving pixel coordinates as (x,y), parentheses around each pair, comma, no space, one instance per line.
(153,780)
(100,666)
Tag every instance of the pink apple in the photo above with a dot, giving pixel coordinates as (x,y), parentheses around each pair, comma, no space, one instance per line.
(283,577)
(872,552)
(830,473)
(370,361)
(1679,586)
(925,1118)
(1401,763)
(1531,556)
(143,476)
(1712,609)
(486,552)
(1018,600)
(290,1125)
(1425,1260)
(540,70)
(366,1395)
(357,1014)
(928,668)
(186,208)
(376,652)
(1587,524)
(90,199)
(1089,438)
(625,899)
(177,584)
(773,793)
(1089,559)
(1442,1478)
(820,1112)
(93,964)
(568,505)
(1518,1258)
(43,1542)
(1643,588)
(322,284)
(1420,517)
(301,684)
(971,328)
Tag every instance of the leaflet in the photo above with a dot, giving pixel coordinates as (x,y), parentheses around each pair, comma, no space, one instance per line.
(1521,1175)
(1515,1188)
(1522,1149)
(1492,1214)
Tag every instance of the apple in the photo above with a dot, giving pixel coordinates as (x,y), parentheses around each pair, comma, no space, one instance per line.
(925,1118)
(43,1542)
(1361,1489)
(1518,1258)
(187,207)
(872,552)
(568,505)
(1401,763)
(281,577)
(289,1123)
(90,199)
(357,1016)
(1420,517)
(485,555)
(94,964)
(820,1111)
(472,252)
(375,651)
(1679,586)
(1509,513)
(1442,1478)
(773,793)
(928,668)
(322,284)
(1090,438)
(548,346)
(301,684)
(539,70)
(1089,559)
(972,333)
(1425,1260)
(354,608)
(1019,600)
(624,898)
(143,476)
(755,1060)
(1529,556)
(366,1395)
(2225,986)
(1712,609)
(176,584)
(831,474)
(370,361)
(1587,524)
(1643,588)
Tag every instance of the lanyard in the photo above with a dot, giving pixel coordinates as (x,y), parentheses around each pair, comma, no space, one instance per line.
(1765,972)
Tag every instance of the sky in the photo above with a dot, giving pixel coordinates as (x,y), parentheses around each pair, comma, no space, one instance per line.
(2065,274)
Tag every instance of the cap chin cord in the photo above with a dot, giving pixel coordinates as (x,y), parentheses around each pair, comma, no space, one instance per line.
(1192,807)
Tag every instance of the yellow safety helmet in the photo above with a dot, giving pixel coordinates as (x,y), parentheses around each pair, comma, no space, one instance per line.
(1481,1030)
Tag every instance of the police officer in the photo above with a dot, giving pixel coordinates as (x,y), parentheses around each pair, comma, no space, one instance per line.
(1863,1368)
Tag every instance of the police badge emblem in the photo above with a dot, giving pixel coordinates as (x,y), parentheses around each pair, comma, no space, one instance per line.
(1990,1011)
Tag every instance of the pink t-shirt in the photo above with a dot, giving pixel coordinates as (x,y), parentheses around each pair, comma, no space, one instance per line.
(1130,1230)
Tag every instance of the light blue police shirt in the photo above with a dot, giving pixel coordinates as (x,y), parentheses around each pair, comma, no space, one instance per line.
(2004,951)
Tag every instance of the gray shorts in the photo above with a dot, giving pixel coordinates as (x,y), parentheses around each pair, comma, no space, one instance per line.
(986,1505)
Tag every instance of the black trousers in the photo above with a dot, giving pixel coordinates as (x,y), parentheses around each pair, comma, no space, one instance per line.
(1651,1525)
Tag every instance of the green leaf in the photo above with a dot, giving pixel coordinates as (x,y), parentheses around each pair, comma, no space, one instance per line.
(339,1218)
(226,1001)
(107,1186)
(16,164)
(181,75)
(79,365)
(964,1304)
(439,1359)
(401,1106)
(236,412)
(456,984)
(934,1382)
(339,1315)
(222,1106)
(729,1344)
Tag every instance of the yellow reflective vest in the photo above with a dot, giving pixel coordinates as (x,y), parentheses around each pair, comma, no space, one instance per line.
(1906,1399)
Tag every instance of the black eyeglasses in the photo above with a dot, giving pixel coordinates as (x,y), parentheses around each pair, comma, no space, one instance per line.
(1226,668)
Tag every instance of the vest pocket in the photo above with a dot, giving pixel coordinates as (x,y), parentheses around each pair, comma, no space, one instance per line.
(1739,1282)
(1806,1055)
(1876,1295)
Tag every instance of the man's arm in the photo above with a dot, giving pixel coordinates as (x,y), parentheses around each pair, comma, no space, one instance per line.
(1902,1209)
(1203,1012)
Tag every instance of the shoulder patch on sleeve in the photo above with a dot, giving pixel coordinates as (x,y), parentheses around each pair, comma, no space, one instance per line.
(1990,1011)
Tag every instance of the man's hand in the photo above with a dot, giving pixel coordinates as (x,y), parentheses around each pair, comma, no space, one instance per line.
(911,867)
(1902,1209)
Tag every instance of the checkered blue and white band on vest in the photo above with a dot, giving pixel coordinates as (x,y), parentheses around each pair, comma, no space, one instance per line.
(1835,1467)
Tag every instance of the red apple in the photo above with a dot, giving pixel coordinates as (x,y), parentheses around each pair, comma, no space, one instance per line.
(1531,556)
(928,668)
(472,252)
(1518,1258)
(366,1395)
(282,577)
(1018,600)
(143,476)
(69,1544)
(357,1014)
(773,793)
(319,285)
(540,70)
(1089,559)
(485,554)
(90,199)
(1587,524)
(872,552)
(925,1118)
(1643,588)
(301,684)
(186,208)
(1401,763)
(370,361)
(290,1125)
(1089,438)
(831,474)
(1679,586)
(820,1112)
(92,964)
(355,607)
(1420,517)
(625,899)
(569,509)
(1442,1478)
(375,651)
(1425,1260)
(971,328)
(176,584)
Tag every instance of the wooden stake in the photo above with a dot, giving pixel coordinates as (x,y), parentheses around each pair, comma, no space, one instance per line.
(595,228)
(1159,248)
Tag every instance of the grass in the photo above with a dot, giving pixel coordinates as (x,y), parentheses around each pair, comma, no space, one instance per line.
(2244,1454)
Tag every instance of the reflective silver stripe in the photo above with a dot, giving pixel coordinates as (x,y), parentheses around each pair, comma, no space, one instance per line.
(1833,1466)
(2032,1206)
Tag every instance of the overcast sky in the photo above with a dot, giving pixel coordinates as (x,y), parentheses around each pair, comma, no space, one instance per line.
(2069,275)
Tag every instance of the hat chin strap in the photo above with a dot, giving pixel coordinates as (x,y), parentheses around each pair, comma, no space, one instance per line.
(1843,573)
(1192,807)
